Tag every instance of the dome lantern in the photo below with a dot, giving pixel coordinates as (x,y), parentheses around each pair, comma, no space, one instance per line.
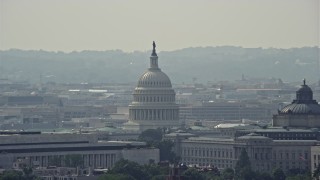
(304,102)
(154,58)
(153,104)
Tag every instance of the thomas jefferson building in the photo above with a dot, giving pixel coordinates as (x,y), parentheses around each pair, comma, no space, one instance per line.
(265,153)
(303,112)
(153,103)
(293,142)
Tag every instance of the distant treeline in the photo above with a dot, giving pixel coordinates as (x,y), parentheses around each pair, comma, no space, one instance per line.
(202,64)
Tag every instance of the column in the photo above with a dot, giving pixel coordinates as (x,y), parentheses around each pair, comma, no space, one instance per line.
(47,161)
(151,112)
(138,115)
(107,161)
(103,160)
(145,114)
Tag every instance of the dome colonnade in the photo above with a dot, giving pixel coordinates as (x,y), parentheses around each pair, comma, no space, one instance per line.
(303,112)
(154,98)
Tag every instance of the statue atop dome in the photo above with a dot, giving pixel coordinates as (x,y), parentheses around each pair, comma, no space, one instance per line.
(154,104)
(154,49)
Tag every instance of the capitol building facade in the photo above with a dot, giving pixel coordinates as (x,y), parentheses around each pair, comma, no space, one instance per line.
(154,103)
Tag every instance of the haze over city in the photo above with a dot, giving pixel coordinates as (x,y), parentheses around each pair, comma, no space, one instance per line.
(131,25)
(159,89)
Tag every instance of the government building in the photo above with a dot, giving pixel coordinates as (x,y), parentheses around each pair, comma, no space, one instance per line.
(303,112)
(292,143)
(36,149)
(154,103)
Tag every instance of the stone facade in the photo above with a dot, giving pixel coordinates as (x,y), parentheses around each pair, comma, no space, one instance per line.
(38,150)
(264,153)
(153,103)
(303,112)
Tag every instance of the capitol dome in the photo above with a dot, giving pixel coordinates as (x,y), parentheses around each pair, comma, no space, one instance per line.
(304,102)
(154,78)
(153,102)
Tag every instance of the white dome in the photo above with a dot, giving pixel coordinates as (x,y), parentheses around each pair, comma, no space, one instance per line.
(154,78)
(154,98)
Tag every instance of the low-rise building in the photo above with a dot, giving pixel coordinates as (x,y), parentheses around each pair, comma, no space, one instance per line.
(42,150)
(264,153)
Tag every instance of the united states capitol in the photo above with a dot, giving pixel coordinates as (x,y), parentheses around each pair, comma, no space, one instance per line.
(277,123)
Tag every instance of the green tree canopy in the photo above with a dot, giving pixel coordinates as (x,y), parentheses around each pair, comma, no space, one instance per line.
(278,174)
(192,174)
(243,167)
(130,168)
(227,174)
(151,136)
(116,177)
(316,172)
(166,151)
(11,175)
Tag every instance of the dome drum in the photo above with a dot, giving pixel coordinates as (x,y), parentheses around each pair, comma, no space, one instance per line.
(304,111)
(154,99)
(303,104)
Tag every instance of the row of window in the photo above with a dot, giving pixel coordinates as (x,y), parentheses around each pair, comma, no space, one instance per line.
(207,153)
(154,99)
(158,83)
(292,156)
(206,162)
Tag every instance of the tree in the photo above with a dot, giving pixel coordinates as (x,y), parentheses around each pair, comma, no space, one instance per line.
(159,177)
(116,177)
(278,174)
(299,177)
(27,171)
(192,174)
(19,175)
(130,168)
(316,172)
(152,169)
(263,176)
(243,167)
(151,136)
(166,151)
(227,174)
(11,175)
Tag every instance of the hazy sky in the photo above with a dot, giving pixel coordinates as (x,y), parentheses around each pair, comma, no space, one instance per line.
(130,25)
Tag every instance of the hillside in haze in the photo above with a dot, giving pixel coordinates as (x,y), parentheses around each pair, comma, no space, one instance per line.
(204,63)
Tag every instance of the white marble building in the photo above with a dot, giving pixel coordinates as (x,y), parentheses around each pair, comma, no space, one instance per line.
(265,153)
(154,103)
(38,150)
